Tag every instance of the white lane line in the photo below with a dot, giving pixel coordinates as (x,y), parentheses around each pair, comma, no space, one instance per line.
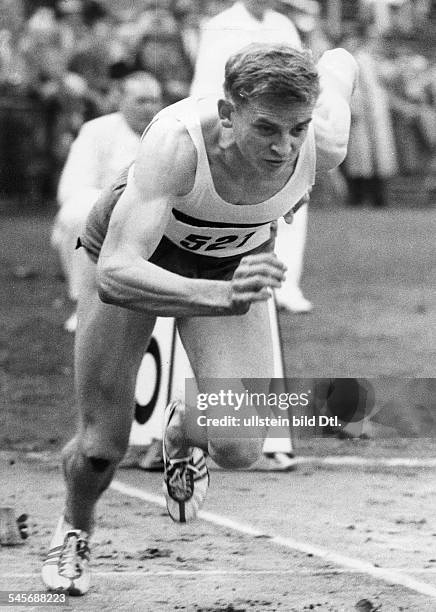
(385,574)
(247,573)
(337,460)
(370,461)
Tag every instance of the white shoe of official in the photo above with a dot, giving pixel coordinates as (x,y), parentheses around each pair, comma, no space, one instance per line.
(281,462)
(293,301)
(186,479)
(70,324)
(66,568)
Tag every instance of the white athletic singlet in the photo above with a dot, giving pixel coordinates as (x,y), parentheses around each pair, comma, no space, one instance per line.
(204,223)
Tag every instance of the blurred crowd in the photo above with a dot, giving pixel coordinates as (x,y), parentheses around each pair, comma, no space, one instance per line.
(61,63)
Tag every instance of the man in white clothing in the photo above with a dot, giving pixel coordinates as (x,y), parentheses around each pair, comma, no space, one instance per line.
(245,22)
(102,149)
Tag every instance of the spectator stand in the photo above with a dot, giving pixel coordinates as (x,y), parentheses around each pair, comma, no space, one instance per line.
(60,61)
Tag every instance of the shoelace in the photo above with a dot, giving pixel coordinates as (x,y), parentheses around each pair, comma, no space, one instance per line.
(73,547)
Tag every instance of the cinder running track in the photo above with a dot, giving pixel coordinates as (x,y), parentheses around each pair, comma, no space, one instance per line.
(317,538)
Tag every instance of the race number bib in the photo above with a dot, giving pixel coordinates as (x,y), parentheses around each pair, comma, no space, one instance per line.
(217,241)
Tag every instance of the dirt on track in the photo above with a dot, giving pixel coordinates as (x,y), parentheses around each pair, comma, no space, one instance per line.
(369,274)
(142,561)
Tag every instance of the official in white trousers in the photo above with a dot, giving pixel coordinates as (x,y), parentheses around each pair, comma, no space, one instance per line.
(245,22)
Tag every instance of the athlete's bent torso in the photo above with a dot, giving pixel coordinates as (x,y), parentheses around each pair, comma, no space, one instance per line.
(202,224)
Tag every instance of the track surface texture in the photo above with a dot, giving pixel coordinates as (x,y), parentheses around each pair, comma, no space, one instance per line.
(268,541)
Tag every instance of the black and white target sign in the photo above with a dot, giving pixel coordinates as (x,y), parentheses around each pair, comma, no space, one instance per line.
(161,378)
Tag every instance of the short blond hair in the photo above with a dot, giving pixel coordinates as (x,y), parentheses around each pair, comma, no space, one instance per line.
(274,70)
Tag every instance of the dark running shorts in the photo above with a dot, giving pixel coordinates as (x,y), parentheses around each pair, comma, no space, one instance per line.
(167,255)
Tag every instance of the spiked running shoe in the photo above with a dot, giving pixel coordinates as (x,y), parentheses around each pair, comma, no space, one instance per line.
(66,568)
(186,479)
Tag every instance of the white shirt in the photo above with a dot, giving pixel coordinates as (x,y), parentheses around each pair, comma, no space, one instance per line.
(103,147)
(227,33)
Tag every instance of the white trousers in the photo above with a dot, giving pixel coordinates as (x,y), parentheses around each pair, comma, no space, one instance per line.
(67,227)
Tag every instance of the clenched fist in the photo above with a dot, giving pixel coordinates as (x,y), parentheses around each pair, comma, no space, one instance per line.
(253,279)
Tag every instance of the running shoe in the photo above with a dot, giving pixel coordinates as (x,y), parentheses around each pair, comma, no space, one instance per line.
(152,461)
(66,568)
(293,301)
(280,462)
(186,479)
(70,324)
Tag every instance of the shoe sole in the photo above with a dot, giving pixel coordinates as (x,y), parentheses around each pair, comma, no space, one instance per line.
(187,511)
(70,589)
(177,509)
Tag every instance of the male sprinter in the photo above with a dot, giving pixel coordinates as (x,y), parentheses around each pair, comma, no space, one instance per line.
(190,238)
